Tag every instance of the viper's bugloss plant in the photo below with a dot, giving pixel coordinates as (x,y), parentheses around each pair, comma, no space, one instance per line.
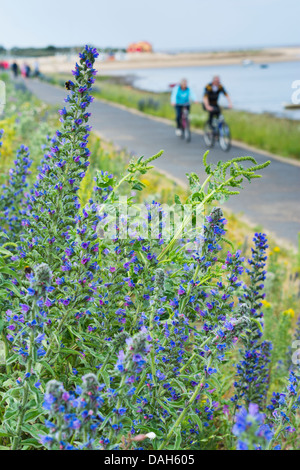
(121,342)
(13,204)
(26,331)
(283,412)
(253,369)
(250,429)
(74,417)
(292,359)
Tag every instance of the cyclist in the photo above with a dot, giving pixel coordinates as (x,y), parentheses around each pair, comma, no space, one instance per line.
(211,96)
(181,96)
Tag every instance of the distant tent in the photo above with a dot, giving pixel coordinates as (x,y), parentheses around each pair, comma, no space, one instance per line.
(4,65)
(142,46)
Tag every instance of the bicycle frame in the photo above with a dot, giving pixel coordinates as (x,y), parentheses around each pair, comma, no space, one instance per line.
(184,117)
(218,131)
(219,121)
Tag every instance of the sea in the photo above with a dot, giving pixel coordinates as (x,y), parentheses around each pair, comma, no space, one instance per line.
(256,88)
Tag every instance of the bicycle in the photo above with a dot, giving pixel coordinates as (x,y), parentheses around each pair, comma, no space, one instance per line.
(218,131)
(185,124)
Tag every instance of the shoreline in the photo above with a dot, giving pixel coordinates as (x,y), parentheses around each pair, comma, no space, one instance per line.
(129,81)
(198,59)
(64,63)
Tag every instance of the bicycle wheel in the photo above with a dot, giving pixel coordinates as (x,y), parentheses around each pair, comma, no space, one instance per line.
(187,132)
(183,125)
(208,135)
(224,137)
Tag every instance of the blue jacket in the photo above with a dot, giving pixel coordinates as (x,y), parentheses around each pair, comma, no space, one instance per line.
(182,97)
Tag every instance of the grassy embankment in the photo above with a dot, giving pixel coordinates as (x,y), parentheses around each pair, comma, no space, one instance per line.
(263,131)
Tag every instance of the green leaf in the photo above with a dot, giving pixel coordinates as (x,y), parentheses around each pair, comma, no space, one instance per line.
(12,359)
(105,378)
(31,442)
(197,419)
(35,430)
(10,413)
(33,414)
(178,438)
(177,200)
(106,420)
(10,272)
(11,286)
(47,367)
(70,351)
(5,252)
(138,186)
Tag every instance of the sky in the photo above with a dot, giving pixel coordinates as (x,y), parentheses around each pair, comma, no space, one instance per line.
(166,24)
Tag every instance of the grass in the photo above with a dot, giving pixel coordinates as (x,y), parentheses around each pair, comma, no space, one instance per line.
(263,131)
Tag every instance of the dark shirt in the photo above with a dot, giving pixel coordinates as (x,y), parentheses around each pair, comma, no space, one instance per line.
(213,94)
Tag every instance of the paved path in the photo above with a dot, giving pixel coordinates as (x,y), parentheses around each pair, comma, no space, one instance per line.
(271,202)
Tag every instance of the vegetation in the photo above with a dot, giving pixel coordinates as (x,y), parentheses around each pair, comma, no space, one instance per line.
(137,342)
(45,51)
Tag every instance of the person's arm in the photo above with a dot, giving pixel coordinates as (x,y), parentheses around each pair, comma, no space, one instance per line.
(193,97)
(228,97)
(173,95)
(229,101)
(207,106)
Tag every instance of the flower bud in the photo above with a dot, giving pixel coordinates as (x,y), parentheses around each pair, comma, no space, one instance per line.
(159,283)
(42,274)
(90,383)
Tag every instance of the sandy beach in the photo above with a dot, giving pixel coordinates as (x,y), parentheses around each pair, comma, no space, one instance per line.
(64,63)
(158,60)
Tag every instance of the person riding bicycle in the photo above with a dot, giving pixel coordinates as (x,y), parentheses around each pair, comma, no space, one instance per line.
(211,96)
(181,96)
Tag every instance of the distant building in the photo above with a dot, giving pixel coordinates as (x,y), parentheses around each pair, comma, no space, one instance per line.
(142,46)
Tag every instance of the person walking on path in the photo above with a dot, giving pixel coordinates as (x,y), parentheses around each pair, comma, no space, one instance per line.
(15,69)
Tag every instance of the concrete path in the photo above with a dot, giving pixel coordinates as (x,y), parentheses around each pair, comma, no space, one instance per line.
(271,202)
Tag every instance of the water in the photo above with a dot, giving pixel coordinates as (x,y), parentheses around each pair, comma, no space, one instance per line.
(251,88)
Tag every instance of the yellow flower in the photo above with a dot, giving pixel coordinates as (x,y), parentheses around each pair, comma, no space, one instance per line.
(266,303)
(277,249)
(145,181)
(289,313)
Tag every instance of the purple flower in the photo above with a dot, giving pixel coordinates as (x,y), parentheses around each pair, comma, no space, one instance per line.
(25,308)
(181,290)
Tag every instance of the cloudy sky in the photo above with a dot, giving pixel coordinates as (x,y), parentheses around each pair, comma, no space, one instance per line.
(167,24)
